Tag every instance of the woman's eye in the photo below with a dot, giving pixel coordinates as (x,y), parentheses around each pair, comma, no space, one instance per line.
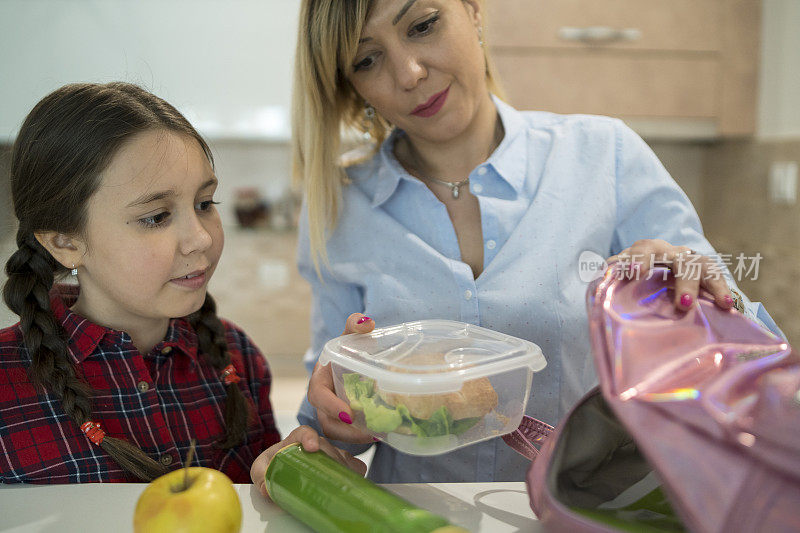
(364,64)
(206,205)
(154,221)
(424,27)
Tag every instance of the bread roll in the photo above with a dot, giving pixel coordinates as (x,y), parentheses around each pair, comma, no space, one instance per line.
(476,397)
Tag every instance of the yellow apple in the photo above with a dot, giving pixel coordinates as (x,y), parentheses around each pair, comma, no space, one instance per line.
(209,503)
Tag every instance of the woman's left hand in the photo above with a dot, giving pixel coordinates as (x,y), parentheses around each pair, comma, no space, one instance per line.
(690,269)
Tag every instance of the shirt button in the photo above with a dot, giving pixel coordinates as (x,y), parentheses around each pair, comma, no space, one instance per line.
(490,244)
(166,349)
(482,171)
(143,386)
(477,187)
(166,459)
(467,294)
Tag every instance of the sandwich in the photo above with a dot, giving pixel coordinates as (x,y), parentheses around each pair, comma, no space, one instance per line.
(424,415)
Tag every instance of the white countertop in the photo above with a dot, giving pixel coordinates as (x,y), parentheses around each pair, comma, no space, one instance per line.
(104,507)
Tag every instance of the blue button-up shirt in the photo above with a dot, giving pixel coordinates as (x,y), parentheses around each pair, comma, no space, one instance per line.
(556,187)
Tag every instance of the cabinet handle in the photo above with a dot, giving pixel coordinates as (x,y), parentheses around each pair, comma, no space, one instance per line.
(599,34)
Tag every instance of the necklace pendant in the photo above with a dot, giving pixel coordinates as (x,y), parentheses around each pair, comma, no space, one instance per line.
(455,190)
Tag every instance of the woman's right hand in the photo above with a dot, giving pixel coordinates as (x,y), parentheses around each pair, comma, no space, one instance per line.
(334,414)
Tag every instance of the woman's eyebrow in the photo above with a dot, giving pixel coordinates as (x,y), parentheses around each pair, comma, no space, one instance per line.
(397,18)
(208,183)
(403,11)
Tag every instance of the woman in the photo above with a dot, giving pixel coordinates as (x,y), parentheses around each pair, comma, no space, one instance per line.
(468,210)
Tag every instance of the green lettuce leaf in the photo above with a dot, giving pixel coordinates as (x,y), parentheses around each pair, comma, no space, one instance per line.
(460,426)
(440,423)
(437,424)
(379,417)
(356,388)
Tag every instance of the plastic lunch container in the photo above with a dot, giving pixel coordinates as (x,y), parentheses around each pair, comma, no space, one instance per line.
(431,386)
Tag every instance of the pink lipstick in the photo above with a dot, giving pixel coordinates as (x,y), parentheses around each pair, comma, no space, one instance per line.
(432,106)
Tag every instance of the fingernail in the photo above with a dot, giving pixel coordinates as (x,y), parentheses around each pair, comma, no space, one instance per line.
(686,300)
(363,319)
(344,417)
(728,301)
(376,439)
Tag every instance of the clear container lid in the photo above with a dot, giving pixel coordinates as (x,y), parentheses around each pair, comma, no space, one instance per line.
(431,355)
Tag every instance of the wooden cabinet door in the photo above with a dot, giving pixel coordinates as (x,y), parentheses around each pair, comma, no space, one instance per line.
(691,25)
(690,61)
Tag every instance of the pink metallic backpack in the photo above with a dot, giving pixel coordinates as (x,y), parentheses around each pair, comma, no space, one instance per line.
(695,425)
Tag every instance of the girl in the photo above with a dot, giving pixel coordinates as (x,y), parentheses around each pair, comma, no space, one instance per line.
(109,378)
(466,208)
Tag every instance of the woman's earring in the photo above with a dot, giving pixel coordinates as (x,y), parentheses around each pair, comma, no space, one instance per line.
(369,117)
(74,270)
(480,35)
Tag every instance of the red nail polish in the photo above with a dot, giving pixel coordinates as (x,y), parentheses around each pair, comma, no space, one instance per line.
(344,417)
(728,300)
(686,300)
(363,319)
(376,439)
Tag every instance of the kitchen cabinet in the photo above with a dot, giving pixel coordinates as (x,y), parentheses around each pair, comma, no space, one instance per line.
(670,68)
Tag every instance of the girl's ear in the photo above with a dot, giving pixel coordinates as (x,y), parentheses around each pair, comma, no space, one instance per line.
(65,249)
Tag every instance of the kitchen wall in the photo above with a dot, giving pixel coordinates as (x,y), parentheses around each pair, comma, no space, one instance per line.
(685,161)
(740,218)
(226,65)
(728,181)
(738,214)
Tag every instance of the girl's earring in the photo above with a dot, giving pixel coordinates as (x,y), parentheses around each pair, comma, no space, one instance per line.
(369,117)
(74,270)
(480,35)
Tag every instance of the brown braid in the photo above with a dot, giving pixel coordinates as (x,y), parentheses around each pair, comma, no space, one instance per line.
(212,343)
(65,143)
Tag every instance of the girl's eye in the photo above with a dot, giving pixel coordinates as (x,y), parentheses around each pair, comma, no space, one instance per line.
(205,206)
(424,27)
(364,64)
(154,221)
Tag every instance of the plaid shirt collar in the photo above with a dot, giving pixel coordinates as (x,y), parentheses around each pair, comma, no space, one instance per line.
(85,337)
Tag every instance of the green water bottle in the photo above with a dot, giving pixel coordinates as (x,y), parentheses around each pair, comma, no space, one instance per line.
(331,498)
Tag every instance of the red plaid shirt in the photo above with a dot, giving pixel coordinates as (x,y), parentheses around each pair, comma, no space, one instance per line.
(158,401)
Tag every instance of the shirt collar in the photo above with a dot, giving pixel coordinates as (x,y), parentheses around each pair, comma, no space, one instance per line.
(510,158)
(390,171)
(180,336)
(84,336)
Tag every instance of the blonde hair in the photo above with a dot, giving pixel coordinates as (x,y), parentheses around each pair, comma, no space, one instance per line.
(325,104)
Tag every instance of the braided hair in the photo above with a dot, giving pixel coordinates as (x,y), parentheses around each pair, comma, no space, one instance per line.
(64,144)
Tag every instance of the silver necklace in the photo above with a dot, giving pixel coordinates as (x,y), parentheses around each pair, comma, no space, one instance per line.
(453,185)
